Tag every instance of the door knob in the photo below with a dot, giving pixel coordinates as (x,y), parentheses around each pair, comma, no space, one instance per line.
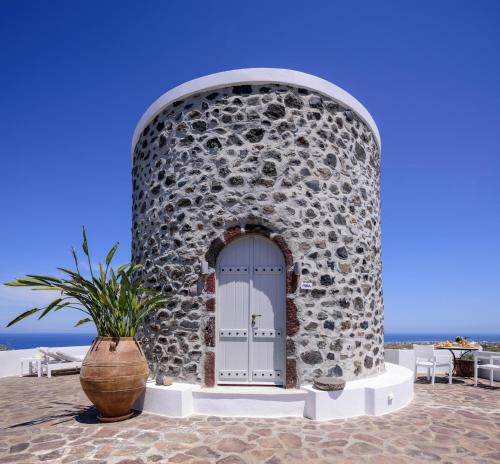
(254,316)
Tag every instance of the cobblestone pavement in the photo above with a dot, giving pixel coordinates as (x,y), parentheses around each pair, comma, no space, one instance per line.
(50,420)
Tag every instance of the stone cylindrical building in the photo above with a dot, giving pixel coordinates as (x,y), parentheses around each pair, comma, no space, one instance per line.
(256,208)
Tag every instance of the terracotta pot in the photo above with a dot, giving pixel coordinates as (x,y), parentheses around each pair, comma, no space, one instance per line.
(464,368)
(113,375)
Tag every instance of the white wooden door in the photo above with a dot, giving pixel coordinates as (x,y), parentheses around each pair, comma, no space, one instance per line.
(250,313)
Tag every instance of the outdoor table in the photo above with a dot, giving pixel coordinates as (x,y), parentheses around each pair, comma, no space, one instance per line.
(463,349)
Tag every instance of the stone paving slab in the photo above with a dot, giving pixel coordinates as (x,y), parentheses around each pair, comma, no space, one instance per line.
(50,420)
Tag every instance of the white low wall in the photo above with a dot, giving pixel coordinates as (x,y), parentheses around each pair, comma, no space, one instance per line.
(406,358)
(10,361)
(373,396)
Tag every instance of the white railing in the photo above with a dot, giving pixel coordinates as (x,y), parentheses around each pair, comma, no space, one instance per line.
(10,361)
(406,358)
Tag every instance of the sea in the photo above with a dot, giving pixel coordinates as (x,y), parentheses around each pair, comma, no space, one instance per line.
(437,337)
(19,341)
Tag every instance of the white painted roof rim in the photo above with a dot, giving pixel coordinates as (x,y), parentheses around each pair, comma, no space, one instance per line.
(255,76)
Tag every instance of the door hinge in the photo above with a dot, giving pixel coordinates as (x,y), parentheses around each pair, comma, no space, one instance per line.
(266,333)
(233,333)
(266,375)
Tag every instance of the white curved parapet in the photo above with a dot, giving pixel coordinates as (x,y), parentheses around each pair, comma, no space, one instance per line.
(255,76)
(372,396)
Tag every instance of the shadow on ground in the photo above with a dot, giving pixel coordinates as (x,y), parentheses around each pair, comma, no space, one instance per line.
(65,412)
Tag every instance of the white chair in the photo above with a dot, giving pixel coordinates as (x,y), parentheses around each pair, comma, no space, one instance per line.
(71,357)
(425,356)
(488,360)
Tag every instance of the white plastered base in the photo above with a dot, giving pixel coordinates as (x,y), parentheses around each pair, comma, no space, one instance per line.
(374,396)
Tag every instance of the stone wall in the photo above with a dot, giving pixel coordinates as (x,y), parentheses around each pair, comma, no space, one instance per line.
(273,159)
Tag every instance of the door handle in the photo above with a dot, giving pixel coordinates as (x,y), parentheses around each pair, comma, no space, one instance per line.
(254,316)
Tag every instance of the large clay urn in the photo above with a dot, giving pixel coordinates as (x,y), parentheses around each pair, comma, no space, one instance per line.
(113,375)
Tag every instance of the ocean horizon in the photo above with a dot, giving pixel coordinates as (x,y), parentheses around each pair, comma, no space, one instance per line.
(19,341)
(436,337)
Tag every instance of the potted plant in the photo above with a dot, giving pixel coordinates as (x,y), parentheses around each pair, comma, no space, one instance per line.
(115,370)
(464,365)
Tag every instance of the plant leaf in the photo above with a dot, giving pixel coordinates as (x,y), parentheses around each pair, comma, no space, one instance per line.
(23,315)
(83,321)
(75,258)
(50,307)
(44,277)
(85,245)
(25,282)
(44,289)
(111,253)
(122,268)
(14,283)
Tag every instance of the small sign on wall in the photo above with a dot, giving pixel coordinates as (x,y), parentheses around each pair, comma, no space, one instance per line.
(306,285)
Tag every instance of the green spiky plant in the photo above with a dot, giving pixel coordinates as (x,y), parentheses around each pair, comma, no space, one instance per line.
(116,301)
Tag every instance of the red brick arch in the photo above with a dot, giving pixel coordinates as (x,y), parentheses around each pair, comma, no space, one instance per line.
(292,320)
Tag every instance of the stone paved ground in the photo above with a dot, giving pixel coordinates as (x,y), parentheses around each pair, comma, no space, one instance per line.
(50,420)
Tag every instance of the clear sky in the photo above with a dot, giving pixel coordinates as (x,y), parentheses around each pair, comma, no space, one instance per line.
(76,77)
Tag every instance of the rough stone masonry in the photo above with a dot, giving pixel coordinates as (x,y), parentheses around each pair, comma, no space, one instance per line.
(274,159)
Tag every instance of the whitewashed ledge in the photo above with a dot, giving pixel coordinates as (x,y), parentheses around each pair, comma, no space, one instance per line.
(372,396)
(10,361)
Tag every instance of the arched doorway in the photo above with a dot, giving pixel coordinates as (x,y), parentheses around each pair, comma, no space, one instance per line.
(250,332)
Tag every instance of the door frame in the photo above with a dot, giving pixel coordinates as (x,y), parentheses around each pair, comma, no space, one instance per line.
(279,345)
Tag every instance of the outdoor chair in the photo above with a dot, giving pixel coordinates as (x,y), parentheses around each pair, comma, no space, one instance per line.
(71,357)
(488,360)
(59,360)
(425,356)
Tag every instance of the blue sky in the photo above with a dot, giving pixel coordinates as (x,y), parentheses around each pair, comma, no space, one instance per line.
(77,76)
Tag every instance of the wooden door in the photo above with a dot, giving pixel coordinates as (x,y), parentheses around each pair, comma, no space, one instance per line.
(251,313)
